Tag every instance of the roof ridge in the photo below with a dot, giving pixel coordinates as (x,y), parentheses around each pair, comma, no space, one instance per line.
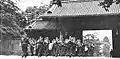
(77,1)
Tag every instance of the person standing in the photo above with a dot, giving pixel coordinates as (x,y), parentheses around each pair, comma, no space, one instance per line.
(46,46)
(79,50)
(40,46)
(33,46)
(24,43)
(51,46)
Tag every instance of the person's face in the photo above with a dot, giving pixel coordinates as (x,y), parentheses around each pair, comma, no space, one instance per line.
(78,41)
(66,40)
(73,40)
(46,40)
(69,37)
(57,39)
(53,41)
(40,38)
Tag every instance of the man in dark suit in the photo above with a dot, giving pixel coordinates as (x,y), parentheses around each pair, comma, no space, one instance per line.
(24,42)
(40,46)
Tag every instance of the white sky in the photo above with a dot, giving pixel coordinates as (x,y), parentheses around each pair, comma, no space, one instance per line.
(22,4)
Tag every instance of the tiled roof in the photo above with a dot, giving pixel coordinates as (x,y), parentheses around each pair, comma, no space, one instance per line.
(83,9)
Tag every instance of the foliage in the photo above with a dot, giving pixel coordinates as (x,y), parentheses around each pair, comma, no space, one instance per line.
(9,19)
(32,13)
(107,3)
(90,39)
(12,21)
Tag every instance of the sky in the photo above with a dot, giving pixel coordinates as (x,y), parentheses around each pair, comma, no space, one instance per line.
(23,4)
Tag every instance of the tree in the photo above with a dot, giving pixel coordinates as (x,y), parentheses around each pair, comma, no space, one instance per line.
(9,19)
(107,3)
(33,12)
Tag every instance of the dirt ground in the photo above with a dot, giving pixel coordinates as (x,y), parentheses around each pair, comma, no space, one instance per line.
(51,57)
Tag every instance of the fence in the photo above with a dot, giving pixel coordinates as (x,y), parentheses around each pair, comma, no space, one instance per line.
(10,47)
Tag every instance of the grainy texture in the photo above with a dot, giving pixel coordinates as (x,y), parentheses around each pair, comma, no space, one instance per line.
(83,8)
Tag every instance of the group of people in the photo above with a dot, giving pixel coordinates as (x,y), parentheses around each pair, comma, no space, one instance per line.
(57,47)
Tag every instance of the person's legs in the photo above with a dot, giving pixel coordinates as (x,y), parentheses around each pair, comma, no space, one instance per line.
(36,52)
(31,50)
(39,51)
(25,50)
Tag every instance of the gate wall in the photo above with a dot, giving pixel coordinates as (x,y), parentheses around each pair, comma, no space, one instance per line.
(10,47)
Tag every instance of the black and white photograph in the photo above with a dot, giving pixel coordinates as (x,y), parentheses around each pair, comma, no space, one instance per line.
(59,29)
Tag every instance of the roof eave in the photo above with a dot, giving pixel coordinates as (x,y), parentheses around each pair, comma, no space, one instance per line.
(52,16)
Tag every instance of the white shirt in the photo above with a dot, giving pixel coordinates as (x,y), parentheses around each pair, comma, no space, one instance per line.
(50,46)
(86,48)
